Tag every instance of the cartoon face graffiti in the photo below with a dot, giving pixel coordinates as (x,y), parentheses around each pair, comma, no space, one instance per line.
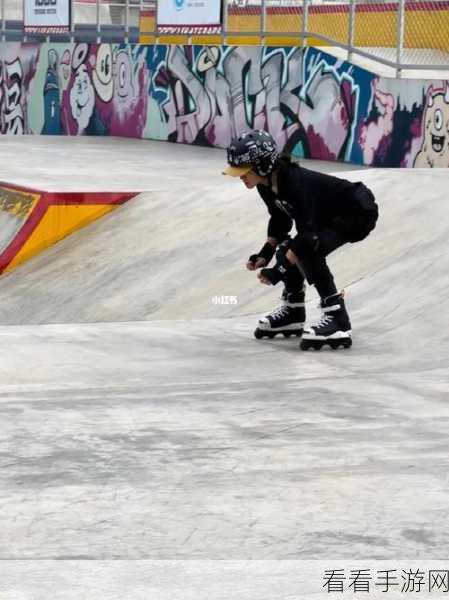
(102,75)
(124,85)
(437,133)
(82,98)
(435,148)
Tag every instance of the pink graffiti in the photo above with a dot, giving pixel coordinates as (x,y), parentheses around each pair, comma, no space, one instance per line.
(375,137)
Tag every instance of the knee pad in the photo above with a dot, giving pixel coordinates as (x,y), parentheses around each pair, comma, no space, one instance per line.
(305,246)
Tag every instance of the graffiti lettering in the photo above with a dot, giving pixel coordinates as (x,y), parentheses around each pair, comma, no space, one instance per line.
(11,81)
(250,88)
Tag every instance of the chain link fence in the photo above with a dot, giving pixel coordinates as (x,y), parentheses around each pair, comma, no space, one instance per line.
(425,32)
(329,19)
(400,35)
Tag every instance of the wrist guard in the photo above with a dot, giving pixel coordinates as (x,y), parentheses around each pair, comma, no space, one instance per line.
(266,252)
(278,272)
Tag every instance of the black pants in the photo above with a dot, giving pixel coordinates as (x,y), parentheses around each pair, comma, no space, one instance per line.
(313,264)
(358,219)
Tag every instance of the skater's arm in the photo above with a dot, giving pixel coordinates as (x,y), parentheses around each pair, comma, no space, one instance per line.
(279,227)
(280,223)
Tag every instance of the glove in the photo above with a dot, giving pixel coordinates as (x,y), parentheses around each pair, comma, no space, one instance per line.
(266,252)
(278,272)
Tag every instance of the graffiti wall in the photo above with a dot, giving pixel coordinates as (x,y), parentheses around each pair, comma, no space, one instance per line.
(315,105)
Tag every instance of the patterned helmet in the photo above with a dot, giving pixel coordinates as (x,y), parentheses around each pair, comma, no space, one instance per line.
(253,151)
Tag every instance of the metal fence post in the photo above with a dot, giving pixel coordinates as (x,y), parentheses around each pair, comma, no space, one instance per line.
(3,21)
(305,21)
(127,21)
(263,21)
(400,36)
(351,28)
(72,21)
(98,22)
(224,26)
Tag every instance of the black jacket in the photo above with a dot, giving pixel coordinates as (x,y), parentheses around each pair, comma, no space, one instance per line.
(314,201)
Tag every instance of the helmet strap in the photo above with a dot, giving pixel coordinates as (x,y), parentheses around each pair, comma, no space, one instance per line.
(273,181)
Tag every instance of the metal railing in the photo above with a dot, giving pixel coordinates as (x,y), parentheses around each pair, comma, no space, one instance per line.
(399,36)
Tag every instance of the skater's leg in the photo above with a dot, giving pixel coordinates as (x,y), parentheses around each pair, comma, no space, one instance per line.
(289,318)
(320,275)
(294,285)
(312,261)
(334,326)
(294,281)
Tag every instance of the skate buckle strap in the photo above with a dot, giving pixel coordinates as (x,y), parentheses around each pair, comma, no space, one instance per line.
(332,308)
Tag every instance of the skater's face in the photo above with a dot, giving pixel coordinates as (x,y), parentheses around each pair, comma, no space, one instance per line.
(251,179)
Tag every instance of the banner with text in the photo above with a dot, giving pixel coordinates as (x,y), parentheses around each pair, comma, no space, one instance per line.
(189,17)
(46,16)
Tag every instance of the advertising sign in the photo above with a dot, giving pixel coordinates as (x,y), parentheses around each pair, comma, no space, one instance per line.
(189,16)
(46,16)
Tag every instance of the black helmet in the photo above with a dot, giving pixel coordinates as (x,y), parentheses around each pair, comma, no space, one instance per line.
(255,150)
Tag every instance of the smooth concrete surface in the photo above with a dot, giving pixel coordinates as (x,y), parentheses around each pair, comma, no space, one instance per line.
(141,421)
(81,163)
(219,580)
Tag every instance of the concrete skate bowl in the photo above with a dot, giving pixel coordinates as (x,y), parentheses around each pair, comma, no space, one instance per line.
(179,254)
(179,425)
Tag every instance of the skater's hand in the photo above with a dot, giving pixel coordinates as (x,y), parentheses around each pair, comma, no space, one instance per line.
(276,274)
(263,279)
(263,257)
(256,264)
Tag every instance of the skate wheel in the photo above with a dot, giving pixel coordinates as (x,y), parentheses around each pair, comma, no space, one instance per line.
(344,343)
(296,332)
(314,344)
(260,334)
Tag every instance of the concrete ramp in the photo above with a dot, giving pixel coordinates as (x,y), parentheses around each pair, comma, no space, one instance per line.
(179,253)
(33,220)
(143,421)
